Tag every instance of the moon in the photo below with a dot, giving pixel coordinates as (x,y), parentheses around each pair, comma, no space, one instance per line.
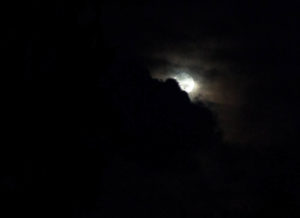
(186,82)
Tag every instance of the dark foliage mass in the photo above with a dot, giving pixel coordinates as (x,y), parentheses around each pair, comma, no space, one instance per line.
(90,134)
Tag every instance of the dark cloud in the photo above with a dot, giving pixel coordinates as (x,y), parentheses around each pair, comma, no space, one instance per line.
(235,50)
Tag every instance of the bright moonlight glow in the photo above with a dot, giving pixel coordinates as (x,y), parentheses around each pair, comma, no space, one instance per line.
(186,82)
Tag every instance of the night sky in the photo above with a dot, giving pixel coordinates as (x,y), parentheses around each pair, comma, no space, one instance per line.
(150,109)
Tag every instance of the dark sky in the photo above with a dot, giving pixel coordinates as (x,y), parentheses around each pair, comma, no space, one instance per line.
(96,128)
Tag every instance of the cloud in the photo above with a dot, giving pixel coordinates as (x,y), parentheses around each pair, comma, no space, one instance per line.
(223,81)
